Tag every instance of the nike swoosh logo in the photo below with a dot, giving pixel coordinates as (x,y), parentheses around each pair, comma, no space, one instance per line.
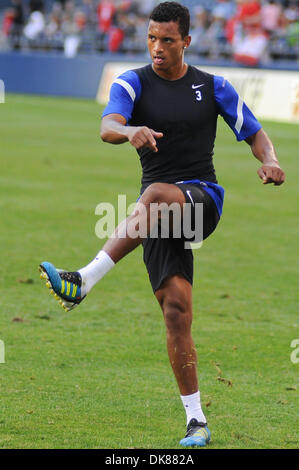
(190,197)
(197,86)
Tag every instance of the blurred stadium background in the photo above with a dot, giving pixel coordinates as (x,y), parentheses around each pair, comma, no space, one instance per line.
(221,29)
(39,37)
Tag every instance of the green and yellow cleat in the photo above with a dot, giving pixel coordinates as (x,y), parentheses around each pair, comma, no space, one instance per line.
(65,286)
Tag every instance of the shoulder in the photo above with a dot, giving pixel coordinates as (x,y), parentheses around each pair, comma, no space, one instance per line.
(130,82)
(225,94)
(201,73)
(233,109)
(221,83)
(144,71)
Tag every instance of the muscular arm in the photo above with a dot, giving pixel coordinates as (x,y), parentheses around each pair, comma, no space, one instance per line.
(262,148)
(115,131)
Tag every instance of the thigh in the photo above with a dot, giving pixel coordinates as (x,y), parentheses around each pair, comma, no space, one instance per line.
(166,257)
(195,194)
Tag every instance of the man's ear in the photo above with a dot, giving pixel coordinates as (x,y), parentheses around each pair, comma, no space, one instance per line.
(187,42)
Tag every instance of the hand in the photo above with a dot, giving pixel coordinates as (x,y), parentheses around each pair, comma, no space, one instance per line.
(271,173)
(141,137)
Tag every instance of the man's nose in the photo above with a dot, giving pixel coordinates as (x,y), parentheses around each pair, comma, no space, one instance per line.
(158,46)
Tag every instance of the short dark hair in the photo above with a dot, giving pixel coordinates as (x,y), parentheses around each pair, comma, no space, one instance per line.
(172,11)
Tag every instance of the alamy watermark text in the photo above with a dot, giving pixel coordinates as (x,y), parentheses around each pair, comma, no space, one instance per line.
(156,220)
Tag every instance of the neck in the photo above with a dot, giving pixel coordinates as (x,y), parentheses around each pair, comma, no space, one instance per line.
(173,74)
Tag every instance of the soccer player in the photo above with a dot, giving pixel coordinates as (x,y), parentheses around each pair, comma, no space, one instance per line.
(168,111)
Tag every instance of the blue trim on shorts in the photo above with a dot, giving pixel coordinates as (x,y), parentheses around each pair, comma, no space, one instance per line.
(214,190)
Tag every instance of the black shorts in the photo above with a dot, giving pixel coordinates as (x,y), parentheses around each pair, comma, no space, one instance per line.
(165,257)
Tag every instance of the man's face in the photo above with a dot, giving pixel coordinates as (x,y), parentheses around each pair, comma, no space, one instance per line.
(166,46)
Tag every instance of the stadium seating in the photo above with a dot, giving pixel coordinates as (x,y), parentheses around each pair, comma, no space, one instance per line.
(78,23)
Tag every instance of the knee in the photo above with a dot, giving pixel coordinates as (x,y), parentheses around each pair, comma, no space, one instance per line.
(153,193)
(177,316)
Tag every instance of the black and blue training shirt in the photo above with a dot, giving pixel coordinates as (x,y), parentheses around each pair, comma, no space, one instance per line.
(186,111)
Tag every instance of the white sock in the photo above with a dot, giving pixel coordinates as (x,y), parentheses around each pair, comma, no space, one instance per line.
(94,271)
(193,408)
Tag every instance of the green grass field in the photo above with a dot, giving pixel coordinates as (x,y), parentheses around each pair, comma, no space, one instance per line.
(99,377)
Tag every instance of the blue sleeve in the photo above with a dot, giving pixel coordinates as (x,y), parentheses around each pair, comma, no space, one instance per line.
(233,109)
(124,93)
